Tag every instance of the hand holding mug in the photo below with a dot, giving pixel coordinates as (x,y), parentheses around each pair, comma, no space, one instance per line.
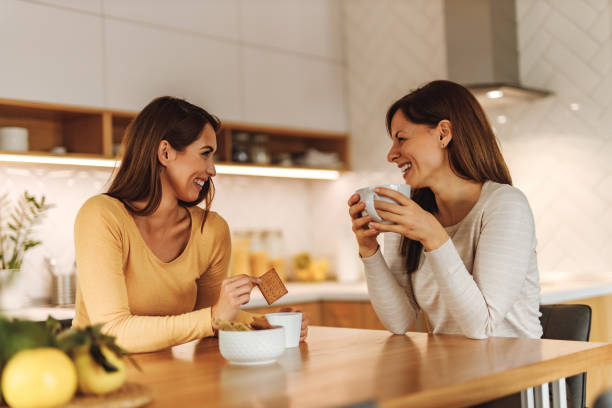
(408,218)
(363,212)
(366,237)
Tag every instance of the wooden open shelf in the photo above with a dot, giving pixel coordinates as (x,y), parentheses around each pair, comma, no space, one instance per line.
(99,132)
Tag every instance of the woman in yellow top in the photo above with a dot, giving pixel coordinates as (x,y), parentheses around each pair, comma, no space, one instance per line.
(152,265)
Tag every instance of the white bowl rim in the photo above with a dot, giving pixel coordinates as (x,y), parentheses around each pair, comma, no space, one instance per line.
(274,327)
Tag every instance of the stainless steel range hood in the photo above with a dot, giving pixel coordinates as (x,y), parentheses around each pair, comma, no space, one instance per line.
(482,51)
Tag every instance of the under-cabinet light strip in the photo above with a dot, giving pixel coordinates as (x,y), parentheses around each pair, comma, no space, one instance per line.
(284,172)
(241,170)
(71,161)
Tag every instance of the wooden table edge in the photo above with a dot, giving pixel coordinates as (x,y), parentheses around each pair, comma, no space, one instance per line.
(479,390)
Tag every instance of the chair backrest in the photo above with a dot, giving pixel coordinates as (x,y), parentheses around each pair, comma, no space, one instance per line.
(568,322)
(604,400)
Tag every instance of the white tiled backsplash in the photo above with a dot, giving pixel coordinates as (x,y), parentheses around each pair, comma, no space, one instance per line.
(246,204)
(560,149)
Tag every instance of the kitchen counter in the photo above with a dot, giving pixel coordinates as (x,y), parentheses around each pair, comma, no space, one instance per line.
(42,312)
(561,290)
(574,288)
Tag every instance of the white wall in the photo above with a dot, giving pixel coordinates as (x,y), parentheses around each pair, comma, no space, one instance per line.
(276,62)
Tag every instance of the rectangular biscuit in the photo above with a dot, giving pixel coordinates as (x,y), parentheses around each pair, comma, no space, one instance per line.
(271,286)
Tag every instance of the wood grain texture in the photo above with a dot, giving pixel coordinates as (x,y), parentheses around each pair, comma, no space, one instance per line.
(87,130)
(83,134)
(107,134)
(337,366)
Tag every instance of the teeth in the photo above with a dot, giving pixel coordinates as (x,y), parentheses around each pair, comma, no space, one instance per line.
(200,182)
(406,167)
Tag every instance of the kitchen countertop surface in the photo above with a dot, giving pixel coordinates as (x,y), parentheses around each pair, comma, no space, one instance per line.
(563,289)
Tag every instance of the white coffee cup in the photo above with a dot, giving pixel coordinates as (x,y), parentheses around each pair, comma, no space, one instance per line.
(292,322)
(14,139)
(367,195)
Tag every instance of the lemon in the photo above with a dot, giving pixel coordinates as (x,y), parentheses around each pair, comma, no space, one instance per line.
(93,378)
(40,377)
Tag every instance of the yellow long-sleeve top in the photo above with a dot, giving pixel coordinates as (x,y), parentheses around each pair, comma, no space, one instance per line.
(146,303)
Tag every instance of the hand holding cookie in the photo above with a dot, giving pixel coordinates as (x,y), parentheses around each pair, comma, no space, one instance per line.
(235,292)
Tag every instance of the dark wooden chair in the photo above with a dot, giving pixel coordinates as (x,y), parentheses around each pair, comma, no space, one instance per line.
(604,400)
(559,322)
(568,322)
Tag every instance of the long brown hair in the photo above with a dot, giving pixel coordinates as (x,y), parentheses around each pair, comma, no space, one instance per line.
(138,178)
(473,151)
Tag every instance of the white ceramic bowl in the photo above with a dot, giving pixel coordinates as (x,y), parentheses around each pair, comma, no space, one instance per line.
(252,347)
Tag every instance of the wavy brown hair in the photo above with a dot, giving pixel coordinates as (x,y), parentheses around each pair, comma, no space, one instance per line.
(473,152)
(139,176)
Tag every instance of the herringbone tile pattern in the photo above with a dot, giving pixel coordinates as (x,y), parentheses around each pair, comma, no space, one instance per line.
(559,149)
(391,47)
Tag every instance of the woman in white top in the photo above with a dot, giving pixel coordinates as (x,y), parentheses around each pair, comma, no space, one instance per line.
(462,249)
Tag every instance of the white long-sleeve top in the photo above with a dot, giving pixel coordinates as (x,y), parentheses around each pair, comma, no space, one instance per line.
(482,282)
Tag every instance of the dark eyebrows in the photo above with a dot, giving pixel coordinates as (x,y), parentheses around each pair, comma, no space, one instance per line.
(210,148)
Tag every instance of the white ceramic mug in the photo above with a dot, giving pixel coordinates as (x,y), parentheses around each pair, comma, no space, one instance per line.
(292,322)
(367,195)
(14,139)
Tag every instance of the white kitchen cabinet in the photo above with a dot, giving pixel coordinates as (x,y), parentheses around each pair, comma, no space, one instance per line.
(291,90)
(50,54)
(214,18)
(312,27)
(146,62)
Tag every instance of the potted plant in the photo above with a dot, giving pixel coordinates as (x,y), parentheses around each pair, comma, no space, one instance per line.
(16,230)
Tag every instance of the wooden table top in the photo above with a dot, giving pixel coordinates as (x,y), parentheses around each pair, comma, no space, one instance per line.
(337,367)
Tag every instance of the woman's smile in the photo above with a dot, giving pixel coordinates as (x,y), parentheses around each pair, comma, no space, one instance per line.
(200,182)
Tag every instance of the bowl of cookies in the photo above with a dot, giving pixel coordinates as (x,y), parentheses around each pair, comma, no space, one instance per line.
(256,343)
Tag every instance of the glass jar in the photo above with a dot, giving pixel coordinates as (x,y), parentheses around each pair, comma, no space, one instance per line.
(276,253)
(260,263)
(240,147)
(259,149)
(241,251)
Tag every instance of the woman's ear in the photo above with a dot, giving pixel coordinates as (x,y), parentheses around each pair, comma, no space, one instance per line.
(446,132)
(165,152)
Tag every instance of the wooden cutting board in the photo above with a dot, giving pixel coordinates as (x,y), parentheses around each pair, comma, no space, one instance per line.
(130,395)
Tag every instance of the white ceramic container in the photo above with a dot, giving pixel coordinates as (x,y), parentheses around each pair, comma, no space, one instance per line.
(253,347)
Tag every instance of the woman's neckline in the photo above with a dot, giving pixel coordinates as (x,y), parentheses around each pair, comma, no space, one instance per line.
(148,249)
(455,226)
